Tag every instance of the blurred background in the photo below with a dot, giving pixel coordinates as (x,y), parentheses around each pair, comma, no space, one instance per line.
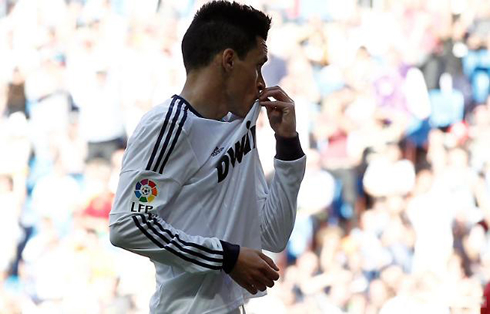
(393,106)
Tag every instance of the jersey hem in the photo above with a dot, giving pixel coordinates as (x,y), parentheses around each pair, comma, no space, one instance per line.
(227,308)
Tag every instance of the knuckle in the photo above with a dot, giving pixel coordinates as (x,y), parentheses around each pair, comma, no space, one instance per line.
(265,269)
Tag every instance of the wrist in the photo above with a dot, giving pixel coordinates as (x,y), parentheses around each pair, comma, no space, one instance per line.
(286,134)
(230,255)
(288,148)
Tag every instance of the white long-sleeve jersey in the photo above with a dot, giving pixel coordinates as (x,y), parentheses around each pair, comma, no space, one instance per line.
(190,190)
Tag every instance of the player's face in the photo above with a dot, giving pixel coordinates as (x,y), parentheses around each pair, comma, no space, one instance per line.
(247,82)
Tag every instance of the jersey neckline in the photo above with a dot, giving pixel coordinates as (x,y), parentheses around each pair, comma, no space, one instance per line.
(194,111)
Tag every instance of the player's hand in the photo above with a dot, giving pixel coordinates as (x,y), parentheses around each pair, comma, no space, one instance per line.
(254,270)
(280,111)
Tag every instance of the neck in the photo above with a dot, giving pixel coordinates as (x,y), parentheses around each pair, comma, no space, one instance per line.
(203,89)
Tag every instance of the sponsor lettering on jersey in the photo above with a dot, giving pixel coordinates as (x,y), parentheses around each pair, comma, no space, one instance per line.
(234,154)
(146,191)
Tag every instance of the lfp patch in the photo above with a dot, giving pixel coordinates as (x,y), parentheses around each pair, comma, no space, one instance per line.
(145,190)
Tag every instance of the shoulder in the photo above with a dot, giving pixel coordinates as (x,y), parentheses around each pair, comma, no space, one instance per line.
(172,114)
(160,137)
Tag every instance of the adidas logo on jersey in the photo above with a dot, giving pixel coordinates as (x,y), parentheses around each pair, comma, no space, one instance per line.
(235,153)
(217,151)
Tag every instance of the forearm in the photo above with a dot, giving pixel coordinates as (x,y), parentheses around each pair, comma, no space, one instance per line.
(149,235)
(278,211)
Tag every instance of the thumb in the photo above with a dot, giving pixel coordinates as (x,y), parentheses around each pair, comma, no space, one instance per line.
(269,261)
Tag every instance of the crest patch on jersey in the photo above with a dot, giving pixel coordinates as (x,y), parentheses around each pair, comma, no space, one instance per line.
(145,190)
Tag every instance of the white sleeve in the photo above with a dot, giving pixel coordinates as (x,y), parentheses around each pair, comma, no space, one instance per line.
(139,229)
(136,226)
(279,203)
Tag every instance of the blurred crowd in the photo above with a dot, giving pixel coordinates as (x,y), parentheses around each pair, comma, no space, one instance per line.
(393,108)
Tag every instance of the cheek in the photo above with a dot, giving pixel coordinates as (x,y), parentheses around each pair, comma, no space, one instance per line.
(247,84)
(252,80)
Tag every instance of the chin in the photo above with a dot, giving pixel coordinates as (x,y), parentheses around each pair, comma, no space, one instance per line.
(249,106)
(242,113)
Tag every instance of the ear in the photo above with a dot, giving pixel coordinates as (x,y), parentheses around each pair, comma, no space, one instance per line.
(228,57)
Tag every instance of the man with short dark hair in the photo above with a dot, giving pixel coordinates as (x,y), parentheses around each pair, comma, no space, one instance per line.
(192,195)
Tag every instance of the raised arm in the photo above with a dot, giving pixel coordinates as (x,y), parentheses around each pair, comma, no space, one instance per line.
(279,203)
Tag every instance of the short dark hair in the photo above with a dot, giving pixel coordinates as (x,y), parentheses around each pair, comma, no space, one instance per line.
(219,25)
